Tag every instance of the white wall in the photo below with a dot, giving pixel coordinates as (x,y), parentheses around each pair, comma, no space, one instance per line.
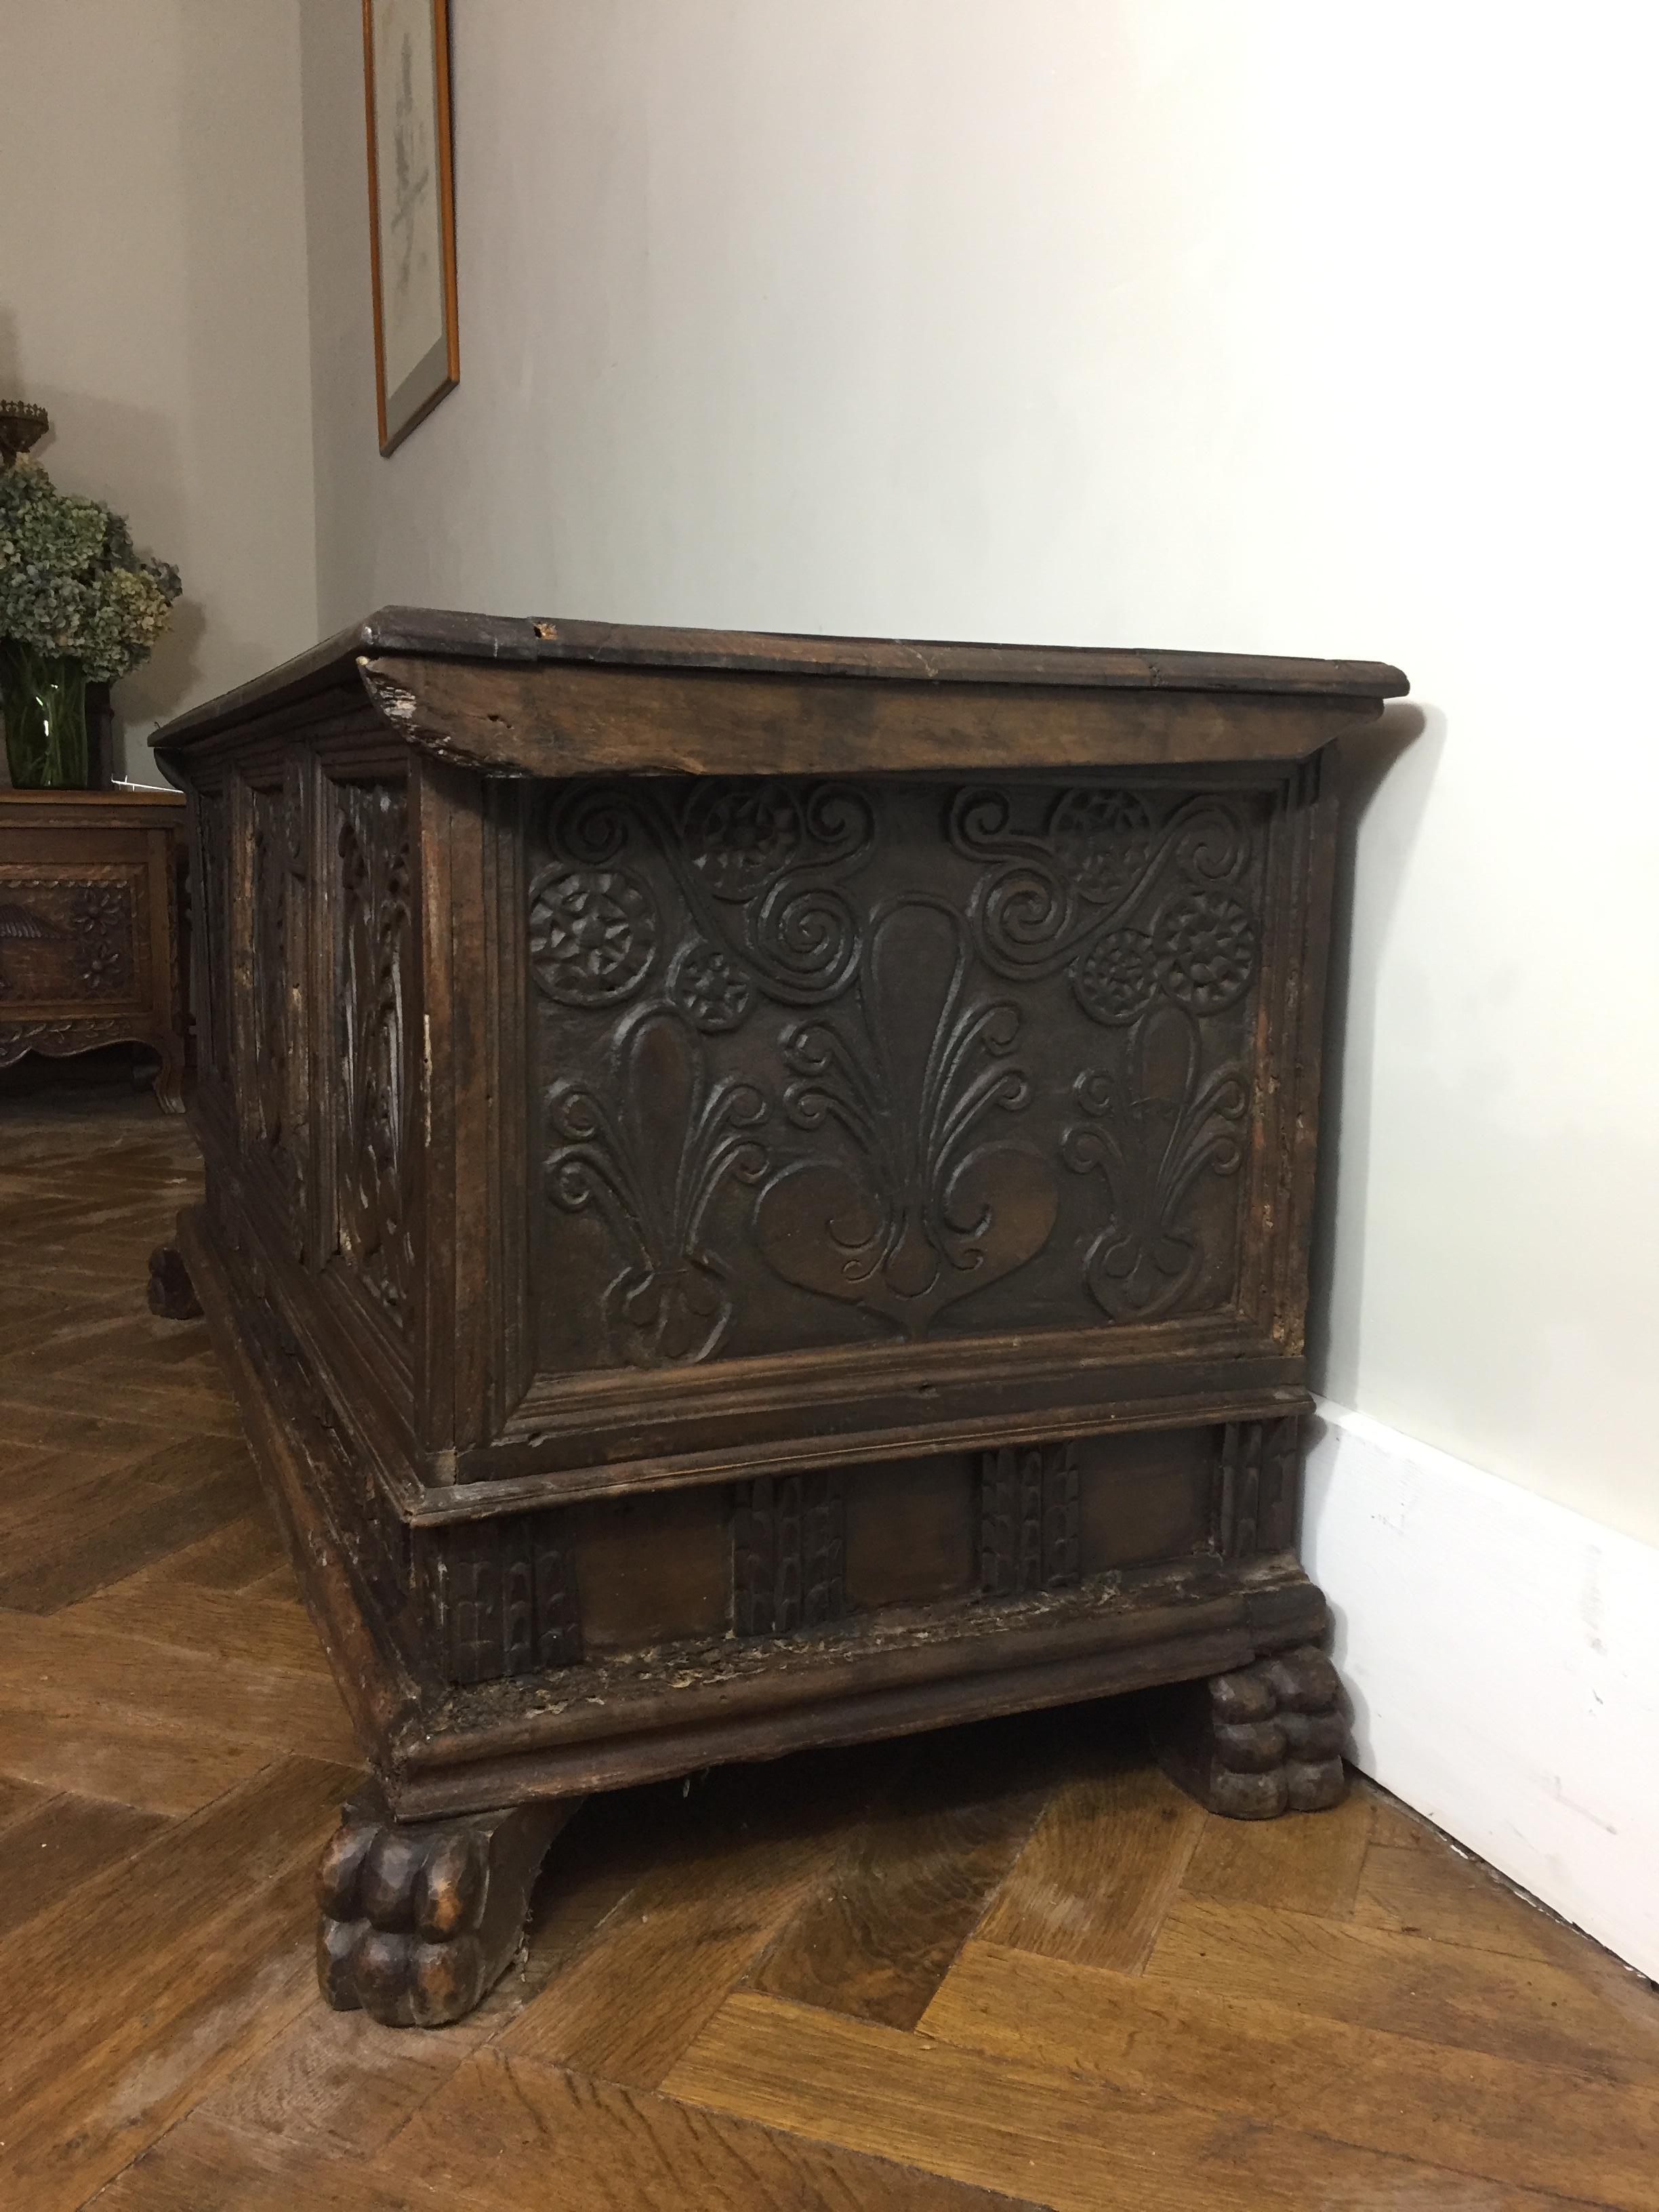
(1283,327)
(153,296)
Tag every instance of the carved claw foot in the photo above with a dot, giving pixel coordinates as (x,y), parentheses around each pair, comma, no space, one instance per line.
(420,1922)
(172,1293)
(1265,1741)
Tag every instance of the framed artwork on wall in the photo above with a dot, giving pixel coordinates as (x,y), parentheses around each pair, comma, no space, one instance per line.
(412,210)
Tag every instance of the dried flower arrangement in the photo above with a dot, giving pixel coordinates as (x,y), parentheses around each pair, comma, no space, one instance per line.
(77,602)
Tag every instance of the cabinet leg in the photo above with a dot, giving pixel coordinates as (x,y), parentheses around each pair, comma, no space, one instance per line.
(420,1921)
(169,1078)
(1265,1741)
(172,1293)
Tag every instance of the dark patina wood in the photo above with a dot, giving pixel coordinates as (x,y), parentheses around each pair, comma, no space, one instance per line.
(90,889)
(758,1189)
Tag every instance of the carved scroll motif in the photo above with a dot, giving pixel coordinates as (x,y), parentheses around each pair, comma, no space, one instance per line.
(1155,1126)
(649,1154)
(1028,1519)
(924,1202)
(378,1075)
(55,1040)
(1091,896)
(759,865)
(788,1548)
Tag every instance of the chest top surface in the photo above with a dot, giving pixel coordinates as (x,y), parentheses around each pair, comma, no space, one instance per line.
(524,696)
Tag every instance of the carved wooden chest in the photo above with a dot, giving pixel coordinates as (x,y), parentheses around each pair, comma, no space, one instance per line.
(757,1196)
(89,896)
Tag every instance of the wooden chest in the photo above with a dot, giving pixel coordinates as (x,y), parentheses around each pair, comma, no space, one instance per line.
(758,1194)
(89,898)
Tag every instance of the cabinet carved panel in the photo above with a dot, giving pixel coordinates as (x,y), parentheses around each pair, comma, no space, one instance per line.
(68,938)
(821,1064)
(376,1140)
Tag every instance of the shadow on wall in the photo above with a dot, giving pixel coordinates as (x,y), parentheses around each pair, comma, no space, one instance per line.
(1362,761)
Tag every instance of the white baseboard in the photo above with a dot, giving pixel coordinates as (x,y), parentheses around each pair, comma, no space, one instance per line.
(1502,1653)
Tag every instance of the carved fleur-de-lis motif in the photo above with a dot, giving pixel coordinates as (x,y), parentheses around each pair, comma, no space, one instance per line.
(1152,1132)
(928,1204)
(651,1163)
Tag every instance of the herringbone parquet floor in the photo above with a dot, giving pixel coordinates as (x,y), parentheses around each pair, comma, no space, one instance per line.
(1005,1963)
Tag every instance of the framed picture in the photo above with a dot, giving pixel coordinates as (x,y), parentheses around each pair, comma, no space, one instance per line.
(412,210)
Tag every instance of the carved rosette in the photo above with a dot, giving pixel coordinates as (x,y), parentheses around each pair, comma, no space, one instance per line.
(100,915)
(760,866)
(593,934)
(1125,899)
(925,1199)
(379,1075)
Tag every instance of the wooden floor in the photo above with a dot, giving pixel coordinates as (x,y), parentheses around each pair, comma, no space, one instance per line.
(1006,1962)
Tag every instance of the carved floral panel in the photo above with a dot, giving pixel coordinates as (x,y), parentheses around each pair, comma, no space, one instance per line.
(375,1137)
(819,1064)
(210,965)
(278,992)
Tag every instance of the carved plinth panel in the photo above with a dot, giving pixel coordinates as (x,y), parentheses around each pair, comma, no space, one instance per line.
(1261,1484)
(68,937)
(375,1086)
(1029,1504)
(507,1599)
(788,1553)
(820,1064)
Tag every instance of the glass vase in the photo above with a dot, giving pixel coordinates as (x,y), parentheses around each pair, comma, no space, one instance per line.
(43,696)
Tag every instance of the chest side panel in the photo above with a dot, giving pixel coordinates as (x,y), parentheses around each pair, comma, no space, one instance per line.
(817,1066)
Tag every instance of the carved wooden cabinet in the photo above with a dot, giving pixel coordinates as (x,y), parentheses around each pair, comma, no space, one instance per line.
(89,925)
(757,1196)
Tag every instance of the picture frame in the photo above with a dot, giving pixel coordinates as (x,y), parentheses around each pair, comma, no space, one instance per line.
(412,210)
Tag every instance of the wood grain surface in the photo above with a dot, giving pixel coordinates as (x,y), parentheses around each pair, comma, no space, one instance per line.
(1003,1965)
